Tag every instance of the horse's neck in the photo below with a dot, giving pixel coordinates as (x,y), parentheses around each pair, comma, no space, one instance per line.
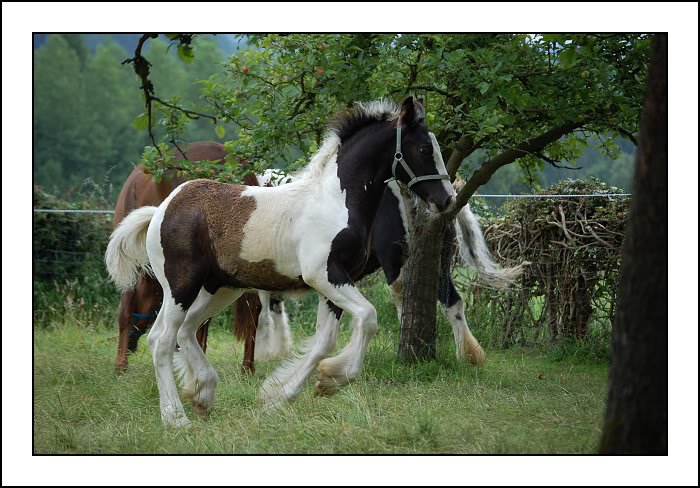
(362,172)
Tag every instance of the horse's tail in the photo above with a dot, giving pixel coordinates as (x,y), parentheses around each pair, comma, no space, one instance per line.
(473,251)
(126,252)
(246,320)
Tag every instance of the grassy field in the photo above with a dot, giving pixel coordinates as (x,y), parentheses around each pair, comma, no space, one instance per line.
(521,401)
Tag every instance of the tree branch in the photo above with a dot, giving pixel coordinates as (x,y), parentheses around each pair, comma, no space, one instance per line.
(423,87)
(142,69)
(465,147)
(553,162)
(483,174)
(627,134)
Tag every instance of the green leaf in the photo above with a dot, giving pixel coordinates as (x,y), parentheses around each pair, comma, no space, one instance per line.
(220,131)
(483,87)
(185,53)
(568,58)
(141,122)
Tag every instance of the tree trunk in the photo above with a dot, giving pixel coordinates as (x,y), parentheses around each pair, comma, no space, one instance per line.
(421,282)
(636,417)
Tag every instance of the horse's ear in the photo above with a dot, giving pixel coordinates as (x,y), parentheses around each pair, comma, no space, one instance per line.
(407,113)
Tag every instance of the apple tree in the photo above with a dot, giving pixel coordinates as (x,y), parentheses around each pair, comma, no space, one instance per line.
(521,99)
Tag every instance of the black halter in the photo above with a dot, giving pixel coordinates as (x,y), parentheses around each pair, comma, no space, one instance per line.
(398,158)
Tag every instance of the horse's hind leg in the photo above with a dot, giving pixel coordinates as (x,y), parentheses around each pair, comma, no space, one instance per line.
(162,340)
(468,347)
(199,377)
(126,308)
(272,339)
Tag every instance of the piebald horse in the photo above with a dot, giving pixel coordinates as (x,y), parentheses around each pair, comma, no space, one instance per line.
(208,242)
(389,243)
(139,306)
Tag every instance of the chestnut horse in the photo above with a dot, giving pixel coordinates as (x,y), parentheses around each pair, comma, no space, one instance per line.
(139,306)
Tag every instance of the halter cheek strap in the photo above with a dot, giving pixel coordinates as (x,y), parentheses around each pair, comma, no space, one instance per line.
(398,158)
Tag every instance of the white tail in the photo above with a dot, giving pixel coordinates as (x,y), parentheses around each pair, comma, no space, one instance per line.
(473,251)
(126,252)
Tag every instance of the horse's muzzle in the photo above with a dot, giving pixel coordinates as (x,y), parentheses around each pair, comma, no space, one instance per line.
(435,208)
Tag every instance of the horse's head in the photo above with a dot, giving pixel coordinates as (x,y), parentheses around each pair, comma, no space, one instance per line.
(418,161)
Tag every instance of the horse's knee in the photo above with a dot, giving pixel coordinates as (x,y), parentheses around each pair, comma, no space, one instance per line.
(369,320)
(184,335)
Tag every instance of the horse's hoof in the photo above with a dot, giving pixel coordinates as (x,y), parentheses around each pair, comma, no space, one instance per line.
(179,421)
(324,389)
(200,410)
(248,368)
(477,357)
(120,368)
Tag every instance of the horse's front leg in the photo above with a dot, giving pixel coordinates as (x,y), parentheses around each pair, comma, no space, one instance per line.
(286,382)
(337,371)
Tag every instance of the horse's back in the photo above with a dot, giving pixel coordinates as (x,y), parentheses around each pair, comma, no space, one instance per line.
(140,190)
(206,221)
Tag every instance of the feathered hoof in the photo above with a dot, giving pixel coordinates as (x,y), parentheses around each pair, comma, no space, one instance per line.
(476,356)
(325,388)
(175,420)
(200,409)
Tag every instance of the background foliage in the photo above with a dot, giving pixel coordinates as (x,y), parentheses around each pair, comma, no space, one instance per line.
(272,97)
(85,103)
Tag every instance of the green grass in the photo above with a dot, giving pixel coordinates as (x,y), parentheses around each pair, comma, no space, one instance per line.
(536,400)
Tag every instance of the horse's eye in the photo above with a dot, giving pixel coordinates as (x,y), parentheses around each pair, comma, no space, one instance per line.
(426,149)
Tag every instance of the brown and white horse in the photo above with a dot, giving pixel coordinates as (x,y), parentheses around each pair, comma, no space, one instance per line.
(208,242)
(139,306)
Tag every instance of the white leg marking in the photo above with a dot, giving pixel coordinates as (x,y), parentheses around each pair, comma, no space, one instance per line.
(200,378)
(162,340)
(338,371)
(286,382)
(272,339)
(468,347)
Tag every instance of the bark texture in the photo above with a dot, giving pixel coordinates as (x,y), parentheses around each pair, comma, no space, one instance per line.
(636,417)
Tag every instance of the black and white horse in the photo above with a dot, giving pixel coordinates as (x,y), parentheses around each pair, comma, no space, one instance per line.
(389,243)
(209,241)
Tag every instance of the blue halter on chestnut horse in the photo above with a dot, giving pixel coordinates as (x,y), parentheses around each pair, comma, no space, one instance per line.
(208,242)
(139,306)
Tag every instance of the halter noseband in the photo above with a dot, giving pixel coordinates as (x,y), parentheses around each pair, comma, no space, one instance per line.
(135,332)
(398,158)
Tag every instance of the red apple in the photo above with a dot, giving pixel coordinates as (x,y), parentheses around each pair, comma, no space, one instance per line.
(244,69)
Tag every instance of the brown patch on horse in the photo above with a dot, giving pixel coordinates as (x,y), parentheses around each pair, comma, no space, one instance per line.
(202,233)
(250,180)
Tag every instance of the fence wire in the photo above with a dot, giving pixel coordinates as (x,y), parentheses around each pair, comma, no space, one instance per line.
(539,305)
